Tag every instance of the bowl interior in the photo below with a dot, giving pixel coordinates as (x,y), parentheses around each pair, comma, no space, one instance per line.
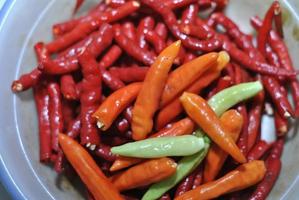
(37,27)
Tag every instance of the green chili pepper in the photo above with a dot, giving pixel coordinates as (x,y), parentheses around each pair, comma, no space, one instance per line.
(229,97)
(161,147)
(220,102)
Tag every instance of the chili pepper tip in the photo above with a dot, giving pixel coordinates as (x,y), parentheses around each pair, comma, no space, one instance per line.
(136,4)
(100,125)
(16,86)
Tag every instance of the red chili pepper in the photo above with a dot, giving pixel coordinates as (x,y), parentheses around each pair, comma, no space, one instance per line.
(243,139)
(122,125)
(102,39)
(281,124)
(189,15)
(258,150)
(59,162)
(144,25)
(90,99)
(128,113)
(266,27)
(131,48)
(110,57)
(115,3)
(254,118)
(129,74)
(40,51)
(68,110)
(78,5)
(154,39)
(188,57)
(273,166)
(26,81)
(161,30)
(185,185)
(165,197)
(55,113)
(83,29)
(171,22)
(277,148)
(278,21)
(171,4)
(128,29)
(103,151)
(74,128)
(110,80)
(222,83)
(198,177)
(42,101)
(68,87)
(194,30)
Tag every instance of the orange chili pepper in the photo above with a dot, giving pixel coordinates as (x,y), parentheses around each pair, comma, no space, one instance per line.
(149,96)
(243,177)
(92,176)
(143,174)
(182,127)
(185,75)
(174,108)
(115,104)
(200,111)
(232,122)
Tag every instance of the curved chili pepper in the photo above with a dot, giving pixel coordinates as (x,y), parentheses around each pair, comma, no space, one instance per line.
(104,151)
(263,189)
(171,4)
(128,113)
(195,31)
(185,185)
(281,124)
(198,109)
(122,125)
(110,80)
(129,31)
(143,174)
(160,147)
(161,30)
(258,150)
(26,81)
(189,15)
(65,27)
(264,31)
(244,176)
(55,113)
(171,22)
(129,74)
(115,104)
(42,101)
(254,119)
(124,162)
(83,29)
(144,25)
(149,96)
(278,20)
(61,65)
(198,176)
(232,121)
(154,39)
(90,99)
(89,172)
(110,57)
(186,74)
(68,87)
(174,108)
(131,48)
(78,5)
(277,148)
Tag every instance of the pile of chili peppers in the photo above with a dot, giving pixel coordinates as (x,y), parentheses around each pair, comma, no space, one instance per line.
(117,97)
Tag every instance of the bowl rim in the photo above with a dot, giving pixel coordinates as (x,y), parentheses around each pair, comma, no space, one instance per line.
(5,177)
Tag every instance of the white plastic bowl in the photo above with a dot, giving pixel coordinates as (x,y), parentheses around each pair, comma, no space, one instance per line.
(24,23)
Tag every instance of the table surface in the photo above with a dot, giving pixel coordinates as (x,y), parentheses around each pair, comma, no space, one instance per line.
(3,194)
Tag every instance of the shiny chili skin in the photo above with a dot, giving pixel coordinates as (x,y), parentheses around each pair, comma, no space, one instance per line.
(281,124)
(198,179)
(83,29)
(195,31)
(258,150)
(88,170)
(115,3)
(189,15)
(147,101)
(115,103)
(277,148)
(128,113)
(110,57)
(165,197)
(110,80)
(122,125)
(61,65)
(161,30)
(55,108)
(278,21)
(199,110)
(263,189)
(266,27)
(174,4)
(254,119)
(42,101)
(171,22)
(68,87)
(90,99)
(103,151)
(26,81)
(142,55)
(185,185)
(183,76)
(129,30)
(153,38)
(129,74)
(145,24)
